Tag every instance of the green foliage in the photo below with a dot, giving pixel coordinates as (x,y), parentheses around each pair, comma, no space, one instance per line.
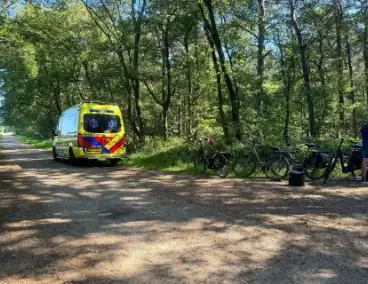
(174,154)
(56,54)
(36,141)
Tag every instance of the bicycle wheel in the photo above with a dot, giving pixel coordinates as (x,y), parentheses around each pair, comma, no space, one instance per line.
(290,158)
(357,174)
(277,167)
(314,167)
(245,165)
(221,165)
(315,173)
(330,168)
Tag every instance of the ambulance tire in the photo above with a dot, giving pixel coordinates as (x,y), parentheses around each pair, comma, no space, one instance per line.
(56,158)
(72,160)
(114,162)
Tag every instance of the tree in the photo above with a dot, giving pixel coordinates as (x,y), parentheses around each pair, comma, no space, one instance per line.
(197,68)
(210,23)
(104,15)
(338,13)
(305,66)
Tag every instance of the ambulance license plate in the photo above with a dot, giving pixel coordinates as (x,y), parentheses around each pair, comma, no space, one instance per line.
(94,150)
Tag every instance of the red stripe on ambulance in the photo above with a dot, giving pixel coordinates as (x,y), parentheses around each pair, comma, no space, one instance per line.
(119,144)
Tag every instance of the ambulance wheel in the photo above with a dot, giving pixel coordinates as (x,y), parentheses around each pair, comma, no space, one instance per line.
(54,154)
(72,160)
(114,162)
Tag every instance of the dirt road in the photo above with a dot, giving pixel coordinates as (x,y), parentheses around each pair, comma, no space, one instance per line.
(63,224)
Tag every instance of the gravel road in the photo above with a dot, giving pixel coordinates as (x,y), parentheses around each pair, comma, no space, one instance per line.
(98,224)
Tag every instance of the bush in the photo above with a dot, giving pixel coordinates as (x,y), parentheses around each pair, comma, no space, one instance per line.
(174,153)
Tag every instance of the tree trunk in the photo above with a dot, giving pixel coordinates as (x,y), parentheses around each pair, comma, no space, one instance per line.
(180,118)
(260,55)
(287,113)
(165,124)
(322,77)
(188,119)
(235,116)
(288,75)
(365,53)
(57,98)
(220,100)
(340,62)
(88,77)
(128,87)
(352,88)
(230,58)
(305,69)
(68,100)
(136,81)
(167,66)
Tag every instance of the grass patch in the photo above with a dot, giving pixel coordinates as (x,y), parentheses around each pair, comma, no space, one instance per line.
(178,155)
(37,142)
(173,155)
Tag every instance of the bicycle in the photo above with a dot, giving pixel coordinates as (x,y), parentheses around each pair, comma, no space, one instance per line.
(350,162)
(314,162)
(217,161)
(275,167)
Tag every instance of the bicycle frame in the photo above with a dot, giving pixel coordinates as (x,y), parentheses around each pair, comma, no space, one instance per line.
(279,153)
(201,151)
(217,161)
(257,156)
(208,159)
(339,155)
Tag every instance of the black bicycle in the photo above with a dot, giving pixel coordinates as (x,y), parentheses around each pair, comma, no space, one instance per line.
(275,167)
(217,161)
(314,161)
(350,161)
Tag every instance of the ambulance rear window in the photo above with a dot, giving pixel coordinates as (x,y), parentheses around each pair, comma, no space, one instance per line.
(102,123)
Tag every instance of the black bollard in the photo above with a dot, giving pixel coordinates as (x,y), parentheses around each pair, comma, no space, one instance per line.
(297,176)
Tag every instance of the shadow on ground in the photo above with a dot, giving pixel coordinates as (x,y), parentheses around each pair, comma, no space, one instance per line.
(63,224)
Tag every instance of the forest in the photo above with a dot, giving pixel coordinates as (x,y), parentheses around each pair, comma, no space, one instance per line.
(184,68)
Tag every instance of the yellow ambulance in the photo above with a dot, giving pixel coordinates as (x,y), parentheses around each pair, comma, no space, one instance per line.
(90,131)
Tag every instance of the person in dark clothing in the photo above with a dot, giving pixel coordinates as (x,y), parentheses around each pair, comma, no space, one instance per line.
(364,131)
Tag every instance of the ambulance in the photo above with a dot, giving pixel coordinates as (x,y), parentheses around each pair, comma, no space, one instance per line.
(90,131)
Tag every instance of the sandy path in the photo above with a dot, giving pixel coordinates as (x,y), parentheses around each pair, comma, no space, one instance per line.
(63,224)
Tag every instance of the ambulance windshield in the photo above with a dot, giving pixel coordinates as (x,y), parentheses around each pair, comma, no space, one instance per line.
(102,123)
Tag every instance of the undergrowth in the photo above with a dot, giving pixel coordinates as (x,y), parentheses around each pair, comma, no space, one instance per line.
(172,155)
(178,155)
(35,141)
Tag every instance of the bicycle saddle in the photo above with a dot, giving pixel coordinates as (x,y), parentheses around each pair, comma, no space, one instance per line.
(310,145)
